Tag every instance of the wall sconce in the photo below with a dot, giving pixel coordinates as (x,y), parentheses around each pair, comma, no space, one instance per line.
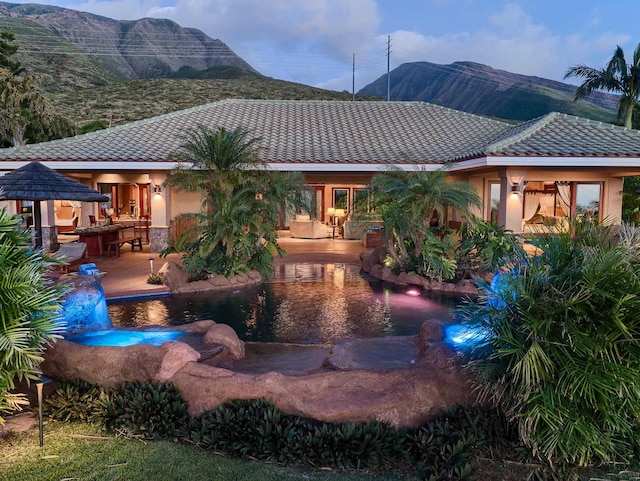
(156,180)
(516,179)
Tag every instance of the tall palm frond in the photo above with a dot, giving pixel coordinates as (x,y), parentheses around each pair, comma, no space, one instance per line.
(242,201)
(618,76)
(409,200)
(29,309)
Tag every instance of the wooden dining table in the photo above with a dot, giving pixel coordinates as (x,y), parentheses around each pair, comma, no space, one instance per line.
(97,237)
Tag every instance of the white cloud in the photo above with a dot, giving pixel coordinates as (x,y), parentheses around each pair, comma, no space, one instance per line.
(313,41)
(511,41)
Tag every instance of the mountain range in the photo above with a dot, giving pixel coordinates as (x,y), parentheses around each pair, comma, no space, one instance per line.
(100,50)
(99,68)
(479,89)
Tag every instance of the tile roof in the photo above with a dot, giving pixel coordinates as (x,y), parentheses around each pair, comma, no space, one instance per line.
(348,133)
(562,135)
(291,132)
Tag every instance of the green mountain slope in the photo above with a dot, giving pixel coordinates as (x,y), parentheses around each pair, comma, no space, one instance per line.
(480,89)
(137,49)
(66,66)
(126,101)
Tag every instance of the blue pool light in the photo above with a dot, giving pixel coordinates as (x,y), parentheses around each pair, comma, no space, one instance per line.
(463,336)
(124,337)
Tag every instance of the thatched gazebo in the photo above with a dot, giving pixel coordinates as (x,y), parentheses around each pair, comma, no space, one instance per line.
(37,182)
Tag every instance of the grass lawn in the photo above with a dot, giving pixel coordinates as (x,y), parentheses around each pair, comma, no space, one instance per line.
(77,451)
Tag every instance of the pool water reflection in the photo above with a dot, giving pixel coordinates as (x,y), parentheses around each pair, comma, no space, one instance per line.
(302,303)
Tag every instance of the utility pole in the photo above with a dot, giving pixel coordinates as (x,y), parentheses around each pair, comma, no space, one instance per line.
(388,73)
(353,79)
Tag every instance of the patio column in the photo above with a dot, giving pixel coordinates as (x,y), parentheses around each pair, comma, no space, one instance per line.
(512,199)
(160,214)
(49,230)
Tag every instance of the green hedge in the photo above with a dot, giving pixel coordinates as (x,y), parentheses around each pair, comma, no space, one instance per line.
(440,450)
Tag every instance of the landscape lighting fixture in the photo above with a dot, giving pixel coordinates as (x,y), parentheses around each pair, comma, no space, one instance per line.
(516,179)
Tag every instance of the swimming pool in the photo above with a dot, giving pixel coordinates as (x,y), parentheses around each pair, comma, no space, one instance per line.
(302,303)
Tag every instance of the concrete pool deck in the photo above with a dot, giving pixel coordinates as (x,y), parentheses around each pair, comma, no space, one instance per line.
(127,275)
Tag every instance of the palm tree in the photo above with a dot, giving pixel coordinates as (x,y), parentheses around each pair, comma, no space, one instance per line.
(411,202)
(242,199)
(617,76)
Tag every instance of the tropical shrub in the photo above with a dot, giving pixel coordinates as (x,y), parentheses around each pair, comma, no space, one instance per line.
(235,230)
(484,245)
(78,401)
(414,207)
(444,448)
(436,260)
(29,310)
(562,353)
(152,410)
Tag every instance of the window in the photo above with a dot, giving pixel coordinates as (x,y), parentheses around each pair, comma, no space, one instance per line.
(126,200)
(588,200)
(361,201)
(341,198)
(494,207)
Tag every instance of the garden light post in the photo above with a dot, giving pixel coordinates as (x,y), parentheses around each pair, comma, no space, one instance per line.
(39,385)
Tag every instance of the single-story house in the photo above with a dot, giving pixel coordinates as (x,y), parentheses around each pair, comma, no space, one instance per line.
(550,167)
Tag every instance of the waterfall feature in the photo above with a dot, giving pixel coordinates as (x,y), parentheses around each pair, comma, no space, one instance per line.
(85,307)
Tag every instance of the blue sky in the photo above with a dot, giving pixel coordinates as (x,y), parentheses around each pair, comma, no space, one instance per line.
(314,41)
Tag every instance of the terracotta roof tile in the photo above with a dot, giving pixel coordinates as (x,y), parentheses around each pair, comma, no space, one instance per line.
(291,131)
(330,132)
(562,135)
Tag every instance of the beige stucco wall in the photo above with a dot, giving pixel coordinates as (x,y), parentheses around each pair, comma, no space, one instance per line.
(511,204)
(184,203)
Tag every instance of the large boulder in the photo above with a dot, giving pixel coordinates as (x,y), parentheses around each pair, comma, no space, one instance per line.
(225,336)
(176,279)
(433,348)
(466,288)
(380,379)
(400,397)
(174,275)
(375,257)
(374,353)
(109,366)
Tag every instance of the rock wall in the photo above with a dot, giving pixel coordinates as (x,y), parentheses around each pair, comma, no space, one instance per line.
(373,264)
(398,396)
(175,278)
